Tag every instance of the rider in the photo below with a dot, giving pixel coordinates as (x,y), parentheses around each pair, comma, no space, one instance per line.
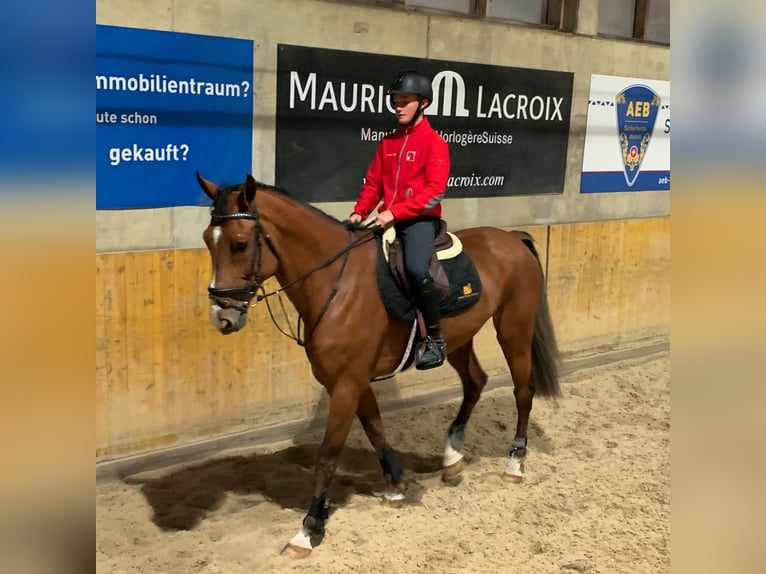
(409,173)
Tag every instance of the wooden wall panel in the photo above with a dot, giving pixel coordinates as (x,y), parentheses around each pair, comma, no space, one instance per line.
(164,374)
(112,382)
(609,282)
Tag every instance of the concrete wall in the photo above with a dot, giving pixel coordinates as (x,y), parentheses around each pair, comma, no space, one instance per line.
(397,31)
(164,376)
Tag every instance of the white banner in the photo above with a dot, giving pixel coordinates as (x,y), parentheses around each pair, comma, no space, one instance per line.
(627,135)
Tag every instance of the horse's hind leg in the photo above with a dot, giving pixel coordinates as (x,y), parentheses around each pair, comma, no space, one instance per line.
(473,377)
(514,333)
(369,415)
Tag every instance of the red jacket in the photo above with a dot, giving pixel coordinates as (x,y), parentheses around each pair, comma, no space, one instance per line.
(409,172)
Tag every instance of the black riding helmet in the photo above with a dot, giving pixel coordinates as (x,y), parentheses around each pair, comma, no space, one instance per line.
(409,82)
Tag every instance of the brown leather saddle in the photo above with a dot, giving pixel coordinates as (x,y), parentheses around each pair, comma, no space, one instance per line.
(446,246)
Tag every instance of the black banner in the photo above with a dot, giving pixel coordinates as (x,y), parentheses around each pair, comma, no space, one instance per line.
(507,128)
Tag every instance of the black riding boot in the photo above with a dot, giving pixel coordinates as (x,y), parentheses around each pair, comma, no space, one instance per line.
(433,350)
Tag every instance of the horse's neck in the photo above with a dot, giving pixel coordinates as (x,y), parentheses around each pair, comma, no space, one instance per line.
(304,238)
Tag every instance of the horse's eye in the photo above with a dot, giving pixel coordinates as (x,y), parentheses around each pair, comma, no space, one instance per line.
(240,246)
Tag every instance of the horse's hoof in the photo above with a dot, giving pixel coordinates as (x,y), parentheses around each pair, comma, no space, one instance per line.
(452,472)
(392,503)
(297,552)
(512,478)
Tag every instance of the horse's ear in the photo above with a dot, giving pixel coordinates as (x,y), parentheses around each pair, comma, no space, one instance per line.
(249,192)
(210,189)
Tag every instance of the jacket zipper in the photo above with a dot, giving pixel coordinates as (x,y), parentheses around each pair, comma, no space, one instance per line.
(398,168)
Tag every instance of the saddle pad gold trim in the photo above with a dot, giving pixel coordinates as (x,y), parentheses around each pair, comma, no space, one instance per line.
(389,235)
(450,252)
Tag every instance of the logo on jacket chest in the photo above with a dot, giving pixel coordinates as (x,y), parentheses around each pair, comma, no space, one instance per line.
(410,155)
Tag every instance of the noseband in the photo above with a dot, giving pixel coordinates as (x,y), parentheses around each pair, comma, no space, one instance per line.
(221,295)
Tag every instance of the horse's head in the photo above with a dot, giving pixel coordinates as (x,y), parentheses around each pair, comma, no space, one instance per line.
(241,251)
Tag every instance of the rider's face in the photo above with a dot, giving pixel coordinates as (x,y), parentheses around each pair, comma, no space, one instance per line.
(405,106)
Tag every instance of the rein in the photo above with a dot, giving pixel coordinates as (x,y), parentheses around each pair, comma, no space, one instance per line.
(220,295)
(370,230)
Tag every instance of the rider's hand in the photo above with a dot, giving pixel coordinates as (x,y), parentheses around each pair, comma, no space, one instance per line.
(385,218)
(354,222)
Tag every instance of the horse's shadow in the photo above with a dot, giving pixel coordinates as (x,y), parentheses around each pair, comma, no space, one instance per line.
(181,499)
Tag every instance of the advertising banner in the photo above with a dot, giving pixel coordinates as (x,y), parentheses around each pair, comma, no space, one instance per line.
(167,105)
(627,137)
(507,128)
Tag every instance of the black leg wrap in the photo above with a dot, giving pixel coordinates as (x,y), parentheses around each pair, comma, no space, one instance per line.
(456,436)
(390,464)
(319,512)
(518,447)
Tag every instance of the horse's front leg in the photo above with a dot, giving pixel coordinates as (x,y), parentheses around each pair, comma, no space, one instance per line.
(344,398)
(369,415)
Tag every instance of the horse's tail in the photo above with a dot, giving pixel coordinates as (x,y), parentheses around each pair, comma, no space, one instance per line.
(545,353)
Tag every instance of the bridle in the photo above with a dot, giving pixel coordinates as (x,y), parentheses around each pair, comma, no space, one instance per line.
(221,296)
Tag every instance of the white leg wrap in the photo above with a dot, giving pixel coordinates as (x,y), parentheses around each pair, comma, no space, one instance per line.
(514,466)
(393,495)
(451,456)
(302,539)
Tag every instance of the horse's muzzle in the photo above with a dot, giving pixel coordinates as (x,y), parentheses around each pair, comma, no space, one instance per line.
(227,320)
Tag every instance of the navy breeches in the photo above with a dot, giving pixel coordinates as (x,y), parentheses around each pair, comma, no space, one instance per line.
(417,237)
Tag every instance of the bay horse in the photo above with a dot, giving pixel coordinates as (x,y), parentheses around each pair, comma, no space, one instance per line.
(328,273)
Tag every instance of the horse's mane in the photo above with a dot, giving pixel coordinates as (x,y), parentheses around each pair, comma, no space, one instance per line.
(225,190)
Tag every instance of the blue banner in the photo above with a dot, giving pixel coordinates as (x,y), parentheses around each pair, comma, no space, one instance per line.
(169,104)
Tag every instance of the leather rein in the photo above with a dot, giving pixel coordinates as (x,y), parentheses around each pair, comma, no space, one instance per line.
(253,287)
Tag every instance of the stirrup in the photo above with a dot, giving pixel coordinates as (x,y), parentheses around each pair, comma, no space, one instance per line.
(433,354)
